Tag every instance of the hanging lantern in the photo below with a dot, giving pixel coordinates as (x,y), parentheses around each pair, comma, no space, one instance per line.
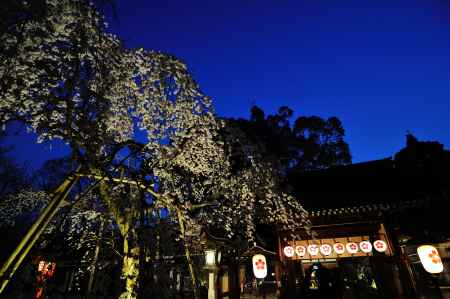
(365,246)
(325,249)
(288,251)
(380,245)
(430,259)
(300,250)
(339,248)
(352,247)
(313,249)
(259,265)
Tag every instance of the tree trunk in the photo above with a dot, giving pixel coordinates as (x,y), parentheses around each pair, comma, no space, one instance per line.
(125,219)
(130,267)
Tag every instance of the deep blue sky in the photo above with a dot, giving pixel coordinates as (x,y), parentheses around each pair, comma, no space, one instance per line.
(382,67)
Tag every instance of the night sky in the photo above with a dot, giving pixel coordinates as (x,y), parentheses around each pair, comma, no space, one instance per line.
(382,66)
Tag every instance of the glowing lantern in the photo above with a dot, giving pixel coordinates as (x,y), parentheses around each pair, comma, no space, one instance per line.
(210,257)
(41,266)
(380,245)
(46,268)
(325,249)
(339,248)
(430,259)
(259,265)
(288,251)
(300,250)
(313,249)
(352,247)
(365,246)
(46,271)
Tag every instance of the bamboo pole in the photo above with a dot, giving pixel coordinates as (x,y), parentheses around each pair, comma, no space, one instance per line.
(117,180)
(32,235)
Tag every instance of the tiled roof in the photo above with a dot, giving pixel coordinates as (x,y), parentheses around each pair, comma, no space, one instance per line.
(368,209)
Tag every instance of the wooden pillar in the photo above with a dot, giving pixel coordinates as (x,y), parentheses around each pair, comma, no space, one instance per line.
(400,258)
(406,274)
(385,278)
(278,271)
(291,285)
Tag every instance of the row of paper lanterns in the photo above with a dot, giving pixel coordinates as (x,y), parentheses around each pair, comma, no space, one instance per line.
(428,254)
(339,248)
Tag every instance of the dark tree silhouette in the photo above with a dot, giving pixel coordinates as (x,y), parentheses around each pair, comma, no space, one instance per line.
(310,143)
(319,143)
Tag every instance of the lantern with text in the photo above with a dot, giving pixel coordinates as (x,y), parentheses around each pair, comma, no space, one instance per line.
(380,245)
(325,249)
(430,259)
(339,248)
(313,249)
(352,247)
(259,265)
(288,251)
(365,246)
(300,250)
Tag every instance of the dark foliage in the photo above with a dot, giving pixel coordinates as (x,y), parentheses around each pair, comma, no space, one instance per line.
(309,143)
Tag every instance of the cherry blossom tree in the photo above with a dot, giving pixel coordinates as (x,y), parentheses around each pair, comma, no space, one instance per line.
(65,77)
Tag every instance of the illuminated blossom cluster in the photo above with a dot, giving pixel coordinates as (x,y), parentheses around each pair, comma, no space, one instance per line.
(21,204)
(245,188)
(84,230)
(252,194)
